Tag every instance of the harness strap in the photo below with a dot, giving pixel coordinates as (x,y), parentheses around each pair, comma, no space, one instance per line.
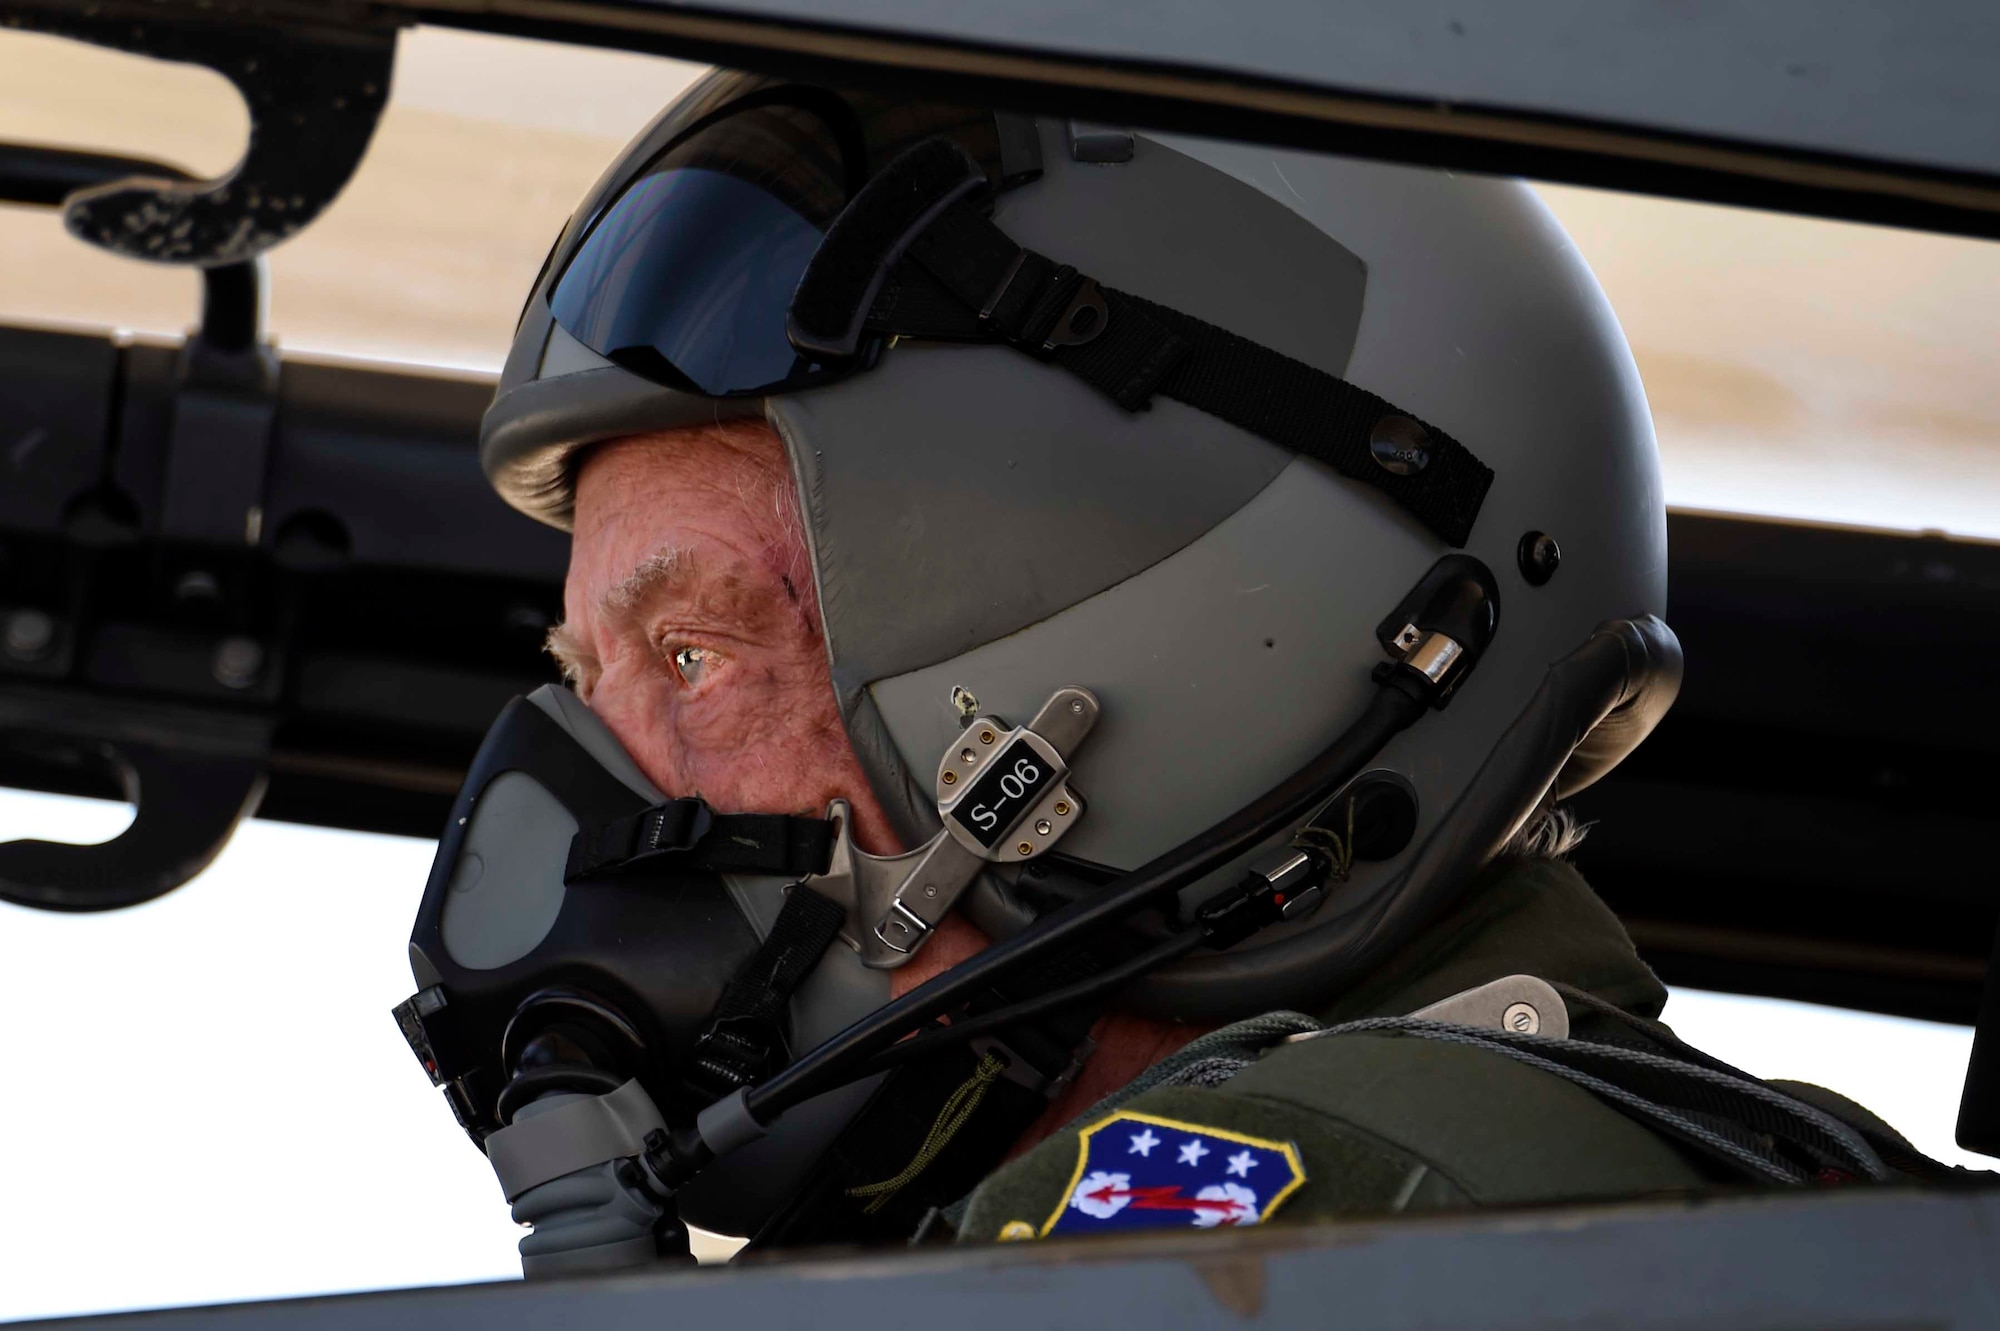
(1894,1149)
(1737,1120)
(691,835)
(744,1037)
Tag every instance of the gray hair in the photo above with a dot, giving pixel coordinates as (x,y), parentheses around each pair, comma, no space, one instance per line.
(1551,832)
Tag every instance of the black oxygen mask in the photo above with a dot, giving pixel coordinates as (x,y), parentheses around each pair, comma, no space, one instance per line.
(552,965)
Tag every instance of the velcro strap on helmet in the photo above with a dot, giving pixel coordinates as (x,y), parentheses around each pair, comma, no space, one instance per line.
(688,834)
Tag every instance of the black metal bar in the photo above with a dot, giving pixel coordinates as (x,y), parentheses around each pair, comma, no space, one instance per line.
(1853,1257)
(1979,1106)
(232,300)
(1666,111)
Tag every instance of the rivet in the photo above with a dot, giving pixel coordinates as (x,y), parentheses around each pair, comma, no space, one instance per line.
(1400,446)
(949,777)
(930,889)
(1521,1018)
(986,737)
(237,663)
(1026,848)
(1062,808)
(1539,556)
(1076,706)
(1043,826)
(30,635)
(967,756)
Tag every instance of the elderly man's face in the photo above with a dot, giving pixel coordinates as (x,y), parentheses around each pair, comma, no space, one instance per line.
(693,628)
(693,631)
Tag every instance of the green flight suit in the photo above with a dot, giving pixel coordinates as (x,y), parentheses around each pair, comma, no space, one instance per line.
(1382,1122)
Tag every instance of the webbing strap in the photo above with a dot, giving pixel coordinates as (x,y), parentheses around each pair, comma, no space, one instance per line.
(691,834)
(964,278)
(744,1037)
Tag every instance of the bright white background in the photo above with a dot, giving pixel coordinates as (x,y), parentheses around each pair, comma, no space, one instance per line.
(206,1098)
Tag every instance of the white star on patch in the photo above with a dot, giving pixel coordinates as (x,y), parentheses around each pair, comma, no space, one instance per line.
(1242,1163)
(1192,1151)
(1143,1143)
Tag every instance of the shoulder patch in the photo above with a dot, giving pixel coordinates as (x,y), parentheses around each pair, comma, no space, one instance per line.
(1141,1171)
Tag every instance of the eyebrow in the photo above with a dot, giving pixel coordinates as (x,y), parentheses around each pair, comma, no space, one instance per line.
(669,569)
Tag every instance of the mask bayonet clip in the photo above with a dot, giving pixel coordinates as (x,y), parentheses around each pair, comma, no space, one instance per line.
(1003,796)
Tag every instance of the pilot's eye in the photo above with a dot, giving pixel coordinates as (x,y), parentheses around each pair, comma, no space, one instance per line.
(693,663)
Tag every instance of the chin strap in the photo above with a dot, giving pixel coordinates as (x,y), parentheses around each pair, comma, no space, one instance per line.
(743,1039)
(687,834)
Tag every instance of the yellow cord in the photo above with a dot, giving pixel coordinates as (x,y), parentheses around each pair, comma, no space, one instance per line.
(957,1110)
(1331,844)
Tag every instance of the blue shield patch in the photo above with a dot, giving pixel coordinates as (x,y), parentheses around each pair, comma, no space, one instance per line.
(1140,1171)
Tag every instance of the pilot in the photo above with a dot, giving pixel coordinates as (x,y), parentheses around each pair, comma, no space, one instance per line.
(1075,639)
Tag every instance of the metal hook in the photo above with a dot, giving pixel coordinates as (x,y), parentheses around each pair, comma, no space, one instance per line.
(189,805)
(314,94)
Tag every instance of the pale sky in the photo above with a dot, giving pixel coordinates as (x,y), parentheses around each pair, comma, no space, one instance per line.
(221,1107)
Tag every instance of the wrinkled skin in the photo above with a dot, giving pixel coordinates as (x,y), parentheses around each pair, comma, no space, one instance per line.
(693,629)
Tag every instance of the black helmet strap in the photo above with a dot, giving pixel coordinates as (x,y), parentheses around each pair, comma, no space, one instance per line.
(932,265)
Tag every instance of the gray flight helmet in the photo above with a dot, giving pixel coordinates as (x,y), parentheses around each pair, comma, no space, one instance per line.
(978,519)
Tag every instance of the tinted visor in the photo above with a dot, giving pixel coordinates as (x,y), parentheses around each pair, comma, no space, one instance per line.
(687,274)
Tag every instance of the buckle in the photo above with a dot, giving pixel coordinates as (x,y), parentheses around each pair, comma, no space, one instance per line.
(675,825)
(734,1052)
(1081,320)
(1000,289)
(902,929)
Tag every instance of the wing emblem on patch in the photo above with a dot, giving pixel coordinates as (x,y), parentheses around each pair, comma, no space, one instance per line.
(1140,1171)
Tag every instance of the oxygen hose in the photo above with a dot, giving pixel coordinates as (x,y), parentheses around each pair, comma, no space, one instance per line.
(845,1056)
(970,1028)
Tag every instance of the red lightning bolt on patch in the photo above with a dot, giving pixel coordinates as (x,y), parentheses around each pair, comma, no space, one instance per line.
(1163,1199)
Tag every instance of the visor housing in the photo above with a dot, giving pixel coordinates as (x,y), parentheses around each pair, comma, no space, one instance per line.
(687,275)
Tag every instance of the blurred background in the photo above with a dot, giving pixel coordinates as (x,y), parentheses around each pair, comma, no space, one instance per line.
(209,1100)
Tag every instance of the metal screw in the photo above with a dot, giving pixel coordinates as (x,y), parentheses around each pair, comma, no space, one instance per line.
(967,756)
(238,662)
(949,777)
(1026,848)
(1521,1018)
(986,737)
(930,889)
(1076,706)
(30,635)
(1043,825)
(1062,808)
